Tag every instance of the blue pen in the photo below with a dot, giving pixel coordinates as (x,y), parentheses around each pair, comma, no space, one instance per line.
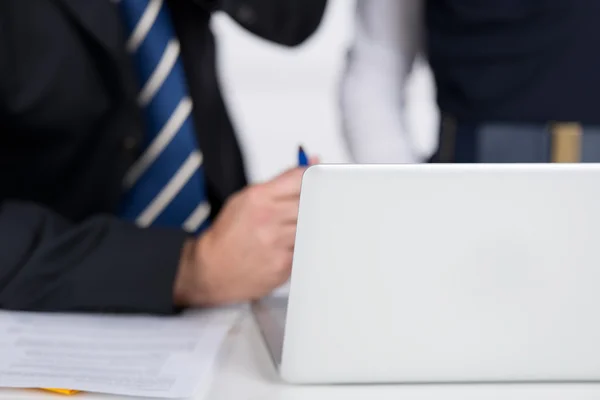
(302,158)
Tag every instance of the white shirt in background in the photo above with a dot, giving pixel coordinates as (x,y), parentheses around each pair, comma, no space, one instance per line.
(387,41)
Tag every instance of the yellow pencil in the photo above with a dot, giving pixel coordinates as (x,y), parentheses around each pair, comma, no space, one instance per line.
(67,392)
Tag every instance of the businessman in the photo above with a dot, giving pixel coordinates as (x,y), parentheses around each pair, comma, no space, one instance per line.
(516,80)
(122,184)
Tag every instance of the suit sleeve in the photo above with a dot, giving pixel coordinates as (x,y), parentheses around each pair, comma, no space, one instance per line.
(286,22)
(100,265)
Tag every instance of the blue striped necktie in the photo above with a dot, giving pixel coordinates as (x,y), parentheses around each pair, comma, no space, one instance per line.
(166,185)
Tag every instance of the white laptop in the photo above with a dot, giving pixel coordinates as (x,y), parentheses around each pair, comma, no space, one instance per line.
(442,273)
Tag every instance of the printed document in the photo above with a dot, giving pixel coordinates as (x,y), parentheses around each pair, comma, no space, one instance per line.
(166,357)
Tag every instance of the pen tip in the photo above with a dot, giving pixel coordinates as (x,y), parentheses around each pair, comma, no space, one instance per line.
(300,148)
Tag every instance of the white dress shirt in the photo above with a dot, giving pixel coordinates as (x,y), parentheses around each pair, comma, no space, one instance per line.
(386,44)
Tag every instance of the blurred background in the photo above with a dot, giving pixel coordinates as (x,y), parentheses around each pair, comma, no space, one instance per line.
(265,85)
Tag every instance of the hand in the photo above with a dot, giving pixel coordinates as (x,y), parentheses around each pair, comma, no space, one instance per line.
(247,252)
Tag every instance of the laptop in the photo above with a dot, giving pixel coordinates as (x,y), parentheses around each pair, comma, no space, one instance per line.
(441,273)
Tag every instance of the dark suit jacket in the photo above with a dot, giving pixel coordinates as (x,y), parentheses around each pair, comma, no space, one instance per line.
(70,128)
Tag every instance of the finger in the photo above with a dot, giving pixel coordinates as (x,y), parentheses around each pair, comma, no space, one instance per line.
(285,260)
(286,210)
(286,237)
(314,160)
(287,184)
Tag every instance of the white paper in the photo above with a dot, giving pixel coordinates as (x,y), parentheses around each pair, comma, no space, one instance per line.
(167,357)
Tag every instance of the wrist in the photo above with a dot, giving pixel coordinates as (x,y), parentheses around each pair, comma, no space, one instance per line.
(184,290)
(191,288)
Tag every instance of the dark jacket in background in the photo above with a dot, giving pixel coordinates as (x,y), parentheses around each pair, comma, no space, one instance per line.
(516,61)
(69,130)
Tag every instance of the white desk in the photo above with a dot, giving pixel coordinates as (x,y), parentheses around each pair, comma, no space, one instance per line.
(245,372)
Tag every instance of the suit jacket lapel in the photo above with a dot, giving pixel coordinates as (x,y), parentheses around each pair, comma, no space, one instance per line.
(99,19)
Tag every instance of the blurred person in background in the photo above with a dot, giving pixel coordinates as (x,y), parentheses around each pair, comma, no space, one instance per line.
(517,80)
(123,186)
